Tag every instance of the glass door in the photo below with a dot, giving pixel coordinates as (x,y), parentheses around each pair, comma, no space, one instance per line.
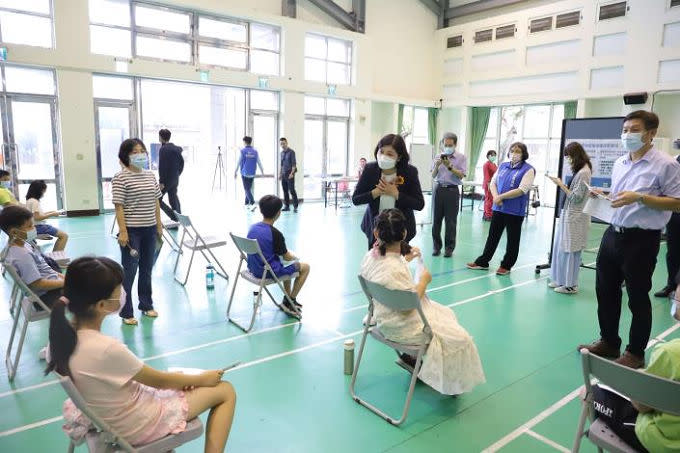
(314,158)
(30,146)
(114,122)
(264,130)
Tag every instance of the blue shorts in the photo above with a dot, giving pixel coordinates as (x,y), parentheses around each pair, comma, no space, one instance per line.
(281,272)
(46,228)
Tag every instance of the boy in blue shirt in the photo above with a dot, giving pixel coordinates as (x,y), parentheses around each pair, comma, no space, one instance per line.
(247,163)
(273,246)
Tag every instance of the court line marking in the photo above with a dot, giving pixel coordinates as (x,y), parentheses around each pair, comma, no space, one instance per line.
(268,329)
(545,440)
(561,403)
(31,426)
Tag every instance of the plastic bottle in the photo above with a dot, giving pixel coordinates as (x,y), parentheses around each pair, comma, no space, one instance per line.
(209,276)
(349,356)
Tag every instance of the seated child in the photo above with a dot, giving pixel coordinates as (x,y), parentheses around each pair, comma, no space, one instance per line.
(35,192)
(6,195)
(140,403)
(29,263)
(451,364)
(273,246)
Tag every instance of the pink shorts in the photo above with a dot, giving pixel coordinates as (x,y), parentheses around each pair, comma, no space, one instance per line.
(173,417)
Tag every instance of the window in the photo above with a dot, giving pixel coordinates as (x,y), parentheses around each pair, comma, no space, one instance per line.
(19,79)
(106,87)
(326,142)
(328,60)
(454,41)
(541,24)
(483,35)
(568,19)
(26,22)
(612,10)
(506,31)
(173,34)
(414,125)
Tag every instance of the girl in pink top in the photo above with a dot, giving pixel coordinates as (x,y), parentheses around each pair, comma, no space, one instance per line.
(140,403)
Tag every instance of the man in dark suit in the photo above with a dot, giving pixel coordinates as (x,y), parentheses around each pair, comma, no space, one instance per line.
(170,166)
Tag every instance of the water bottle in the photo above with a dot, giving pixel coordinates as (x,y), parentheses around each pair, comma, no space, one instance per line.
(349,356)
(209,276)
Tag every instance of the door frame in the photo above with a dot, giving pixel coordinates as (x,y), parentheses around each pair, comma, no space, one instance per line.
(11,150)
(250,128)
(324,149)
(130,105)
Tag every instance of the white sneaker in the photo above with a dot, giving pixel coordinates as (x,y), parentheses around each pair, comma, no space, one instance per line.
(567,290)
(553,285)
(42,355)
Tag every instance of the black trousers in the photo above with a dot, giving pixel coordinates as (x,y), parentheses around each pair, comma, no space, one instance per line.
(499,222)
(248,188)
(445,203)
(174,202)
(673,249)
(289,185)
(629,257)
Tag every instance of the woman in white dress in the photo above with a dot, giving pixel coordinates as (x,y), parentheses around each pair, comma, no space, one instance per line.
(451,364)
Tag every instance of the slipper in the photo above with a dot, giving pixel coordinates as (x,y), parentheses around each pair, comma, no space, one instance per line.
(150,313)
(130,321)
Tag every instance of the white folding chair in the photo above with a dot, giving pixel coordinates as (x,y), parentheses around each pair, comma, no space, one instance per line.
(663,395)
(247,247)
(31,314)
(396,300)
(195,242)
(103,439)
(169,238)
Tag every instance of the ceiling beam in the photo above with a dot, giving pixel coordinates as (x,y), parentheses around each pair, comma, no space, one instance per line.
(432,5)
(289,8)
(478,7)
(347,20)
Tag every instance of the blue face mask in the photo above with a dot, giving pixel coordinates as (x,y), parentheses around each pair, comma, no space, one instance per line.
(449,150)
(6,184)
(140,161)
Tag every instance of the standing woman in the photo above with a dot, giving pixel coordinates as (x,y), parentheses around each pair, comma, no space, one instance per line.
(510,188)
(572,229)
(135,195)
(390,182)
(489,169)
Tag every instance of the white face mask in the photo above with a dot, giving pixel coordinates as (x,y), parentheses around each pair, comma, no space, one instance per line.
(632,141)
(120,300)
(449,150)
(385,162)
(140,161)
(515,157)
(31,235)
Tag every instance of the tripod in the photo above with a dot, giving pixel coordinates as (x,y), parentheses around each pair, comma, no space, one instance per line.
(219,167)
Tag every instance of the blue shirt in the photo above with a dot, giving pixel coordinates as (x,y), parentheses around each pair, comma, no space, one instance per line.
(30,265)
(445,176)
(248,162)
(272,244)
(657,174)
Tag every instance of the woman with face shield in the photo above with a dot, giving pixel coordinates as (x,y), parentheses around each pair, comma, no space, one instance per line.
(389,182)
(509,188)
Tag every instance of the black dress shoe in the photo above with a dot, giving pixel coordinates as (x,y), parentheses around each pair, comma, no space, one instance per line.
(436,252)
(448,253)
(285,209)
(665,292)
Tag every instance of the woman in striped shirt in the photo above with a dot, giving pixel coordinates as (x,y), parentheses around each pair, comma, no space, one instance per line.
(135,196)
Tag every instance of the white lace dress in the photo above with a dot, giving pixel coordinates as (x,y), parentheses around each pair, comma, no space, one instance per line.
(451,364)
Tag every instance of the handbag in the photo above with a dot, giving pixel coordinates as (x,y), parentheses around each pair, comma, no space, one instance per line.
(617,412)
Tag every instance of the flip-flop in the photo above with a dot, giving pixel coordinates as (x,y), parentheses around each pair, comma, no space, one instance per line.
(150,313)
(130,321)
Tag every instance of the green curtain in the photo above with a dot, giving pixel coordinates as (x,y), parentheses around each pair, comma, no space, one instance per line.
(480,122)
(400,119)
(432,114)
(570,110)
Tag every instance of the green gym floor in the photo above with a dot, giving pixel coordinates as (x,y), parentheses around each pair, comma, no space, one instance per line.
(292,393)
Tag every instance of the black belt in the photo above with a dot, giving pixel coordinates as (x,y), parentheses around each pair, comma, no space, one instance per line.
(623,230)
(447,186)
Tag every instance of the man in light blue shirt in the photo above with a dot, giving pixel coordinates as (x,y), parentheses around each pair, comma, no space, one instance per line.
(645,191)
(247,163)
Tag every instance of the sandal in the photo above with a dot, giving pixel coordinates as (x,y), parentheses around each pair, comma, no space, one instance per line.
(150,313)
(130,321)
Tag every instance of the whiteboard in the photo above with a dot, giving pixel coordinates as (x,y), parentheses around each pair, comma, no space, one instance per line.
(421,156)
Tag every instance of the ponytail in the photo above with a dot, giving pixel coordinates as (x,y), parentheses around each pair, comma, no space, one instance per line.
(88,280)
(63,340)
(390,226)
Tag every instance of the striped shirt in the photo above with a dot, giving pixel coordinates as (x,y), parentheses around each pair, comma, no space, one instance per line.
(138,193)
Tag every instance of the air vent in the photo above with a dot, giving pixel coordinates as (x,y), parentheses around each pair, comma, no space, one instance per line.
(454,41)
(675,3)
(484,35)
(568,19)
(613,10)
(506,31)
(542,24)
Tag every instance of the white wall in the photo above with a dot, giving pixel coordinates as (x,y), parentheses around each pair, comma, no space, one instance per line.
(390,65)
